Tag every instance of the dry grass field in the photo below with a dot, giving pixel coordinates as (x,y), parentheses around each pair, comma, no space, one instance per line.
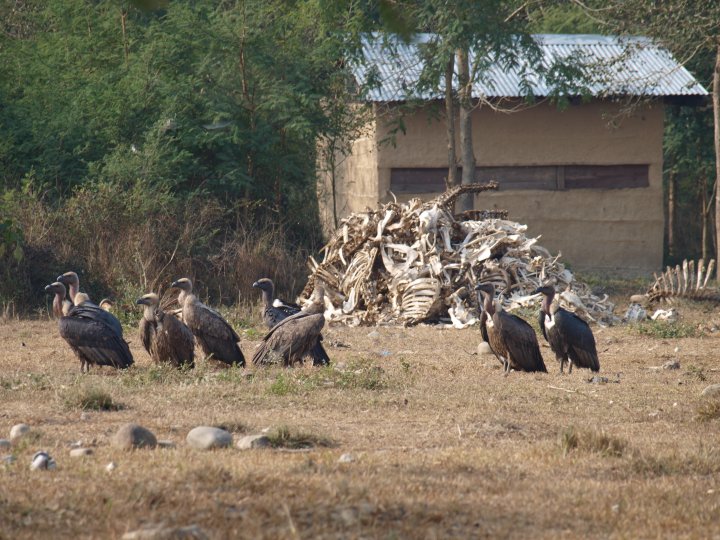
(442,445)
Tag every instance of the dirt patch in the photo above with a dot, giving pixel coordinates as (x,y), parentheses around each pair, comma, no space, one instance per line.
(442,444)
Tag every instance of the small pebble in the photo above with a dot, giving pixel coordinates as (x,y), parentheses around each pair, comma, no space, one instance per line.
(615,508)
(711,391)
(18,431)
(208,438)
(159,532)
(80,452)
(110,467)
(4,444)
(346,458)
(672,364)
(253,441)
(166,444)
(484,348)
(132,436)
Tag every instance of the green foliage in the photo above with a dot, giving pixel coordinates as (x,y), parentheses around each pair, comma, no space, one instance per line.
(286,437)
(666,330)
(89,398)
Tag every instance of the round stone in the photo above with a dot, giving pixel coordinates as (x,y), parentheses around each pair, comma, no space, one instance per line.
(132,436)
(711,391)
(253,441)
(81,452)
(484,348)
(4,444)
(208,438)
(19,430)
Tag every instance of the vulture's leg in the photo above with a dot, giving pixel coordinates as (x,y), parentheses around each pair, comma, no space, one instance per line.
(562,365)
(570,364)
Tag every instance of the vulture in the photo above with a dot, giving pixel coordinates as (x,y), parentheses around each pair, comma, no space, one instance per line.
(107,304)
(61,305)
(215,336)
(569,336)
(165,338)
(511,339)
(93,337)
(275,311)
(72,281)
(295,336)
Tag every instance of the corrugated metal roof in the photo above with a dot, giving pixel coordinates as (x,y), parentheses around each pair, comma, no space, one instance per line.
(621,66)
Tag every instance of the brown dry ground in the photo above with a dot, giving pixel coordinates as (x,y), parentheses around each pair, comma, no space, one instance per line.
(443,445)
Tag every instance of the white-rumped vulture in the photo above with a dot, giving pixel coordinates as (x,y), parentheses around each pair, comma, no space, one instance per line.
(274,311)
(166,339)
(512,340)
(92,335)
(569,336)
(61,304)
(216,337)
(294,337)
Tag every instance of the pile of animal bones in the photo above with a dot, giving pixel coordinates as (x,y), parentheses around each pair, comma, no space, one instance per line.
(416,262)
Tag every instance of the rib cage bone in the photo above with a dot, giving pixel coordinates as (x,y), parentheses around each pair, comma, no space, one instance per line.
(416,262)
(683,281)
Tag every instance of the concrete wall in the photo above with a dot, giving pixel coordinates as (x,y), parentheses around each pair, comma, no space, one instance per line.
(607,231)
(611,231)
(356,179)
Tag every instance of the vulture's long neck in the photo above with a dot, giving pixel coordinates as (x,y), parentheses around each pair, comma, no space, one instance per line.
(547,303)
(267,297)
(149,312)
(74,288)
(490,304)
(58,304)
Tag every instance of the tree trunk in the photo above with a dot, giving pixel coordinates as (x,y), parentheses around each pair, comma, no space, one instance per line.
(452,179)
(716,118)
(126,48)
(671,215)
(466,142)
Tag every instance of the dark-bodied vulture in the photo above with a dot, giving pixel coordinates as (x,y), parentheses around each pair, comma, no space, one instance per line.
(61,304)
(512,340)
(91,334)
(165,338)
(569,336)
(274,311)
(294,337)
(106,304)
(216,337)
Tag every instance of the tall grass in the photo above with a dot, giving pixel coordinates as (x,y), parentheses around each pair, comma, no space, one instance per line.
(126,240)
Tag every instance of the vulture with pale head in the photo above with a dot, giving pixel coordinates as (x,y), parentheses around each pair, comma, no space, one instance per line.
(166,338)
(274,311)
(92,335)
(216,337)
(512,340)
(61,304)
(569,336)
(294,337)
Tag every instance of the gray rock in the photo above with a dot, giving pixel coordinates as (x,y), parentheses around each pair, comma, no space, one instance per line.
(484,348)
(80,452)
(253,441)
(208,438)
(711,391)
(5,444)
(7,460)
(160,532)
(671,364)
(132,436)
(19,430)
(110,467)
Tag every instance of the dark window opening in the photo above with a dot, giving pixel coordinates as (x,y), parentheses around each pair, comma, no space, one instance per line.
(552,177)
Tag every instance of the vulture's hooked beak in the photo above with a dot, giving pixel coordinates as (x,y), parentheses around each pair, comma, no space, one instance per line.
(141,301)
(256,284)
(48,288)
(60,279)
(175,285)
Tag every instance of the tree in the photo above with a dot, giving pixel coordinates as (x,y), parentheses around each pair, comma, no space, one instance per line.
(691,30)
